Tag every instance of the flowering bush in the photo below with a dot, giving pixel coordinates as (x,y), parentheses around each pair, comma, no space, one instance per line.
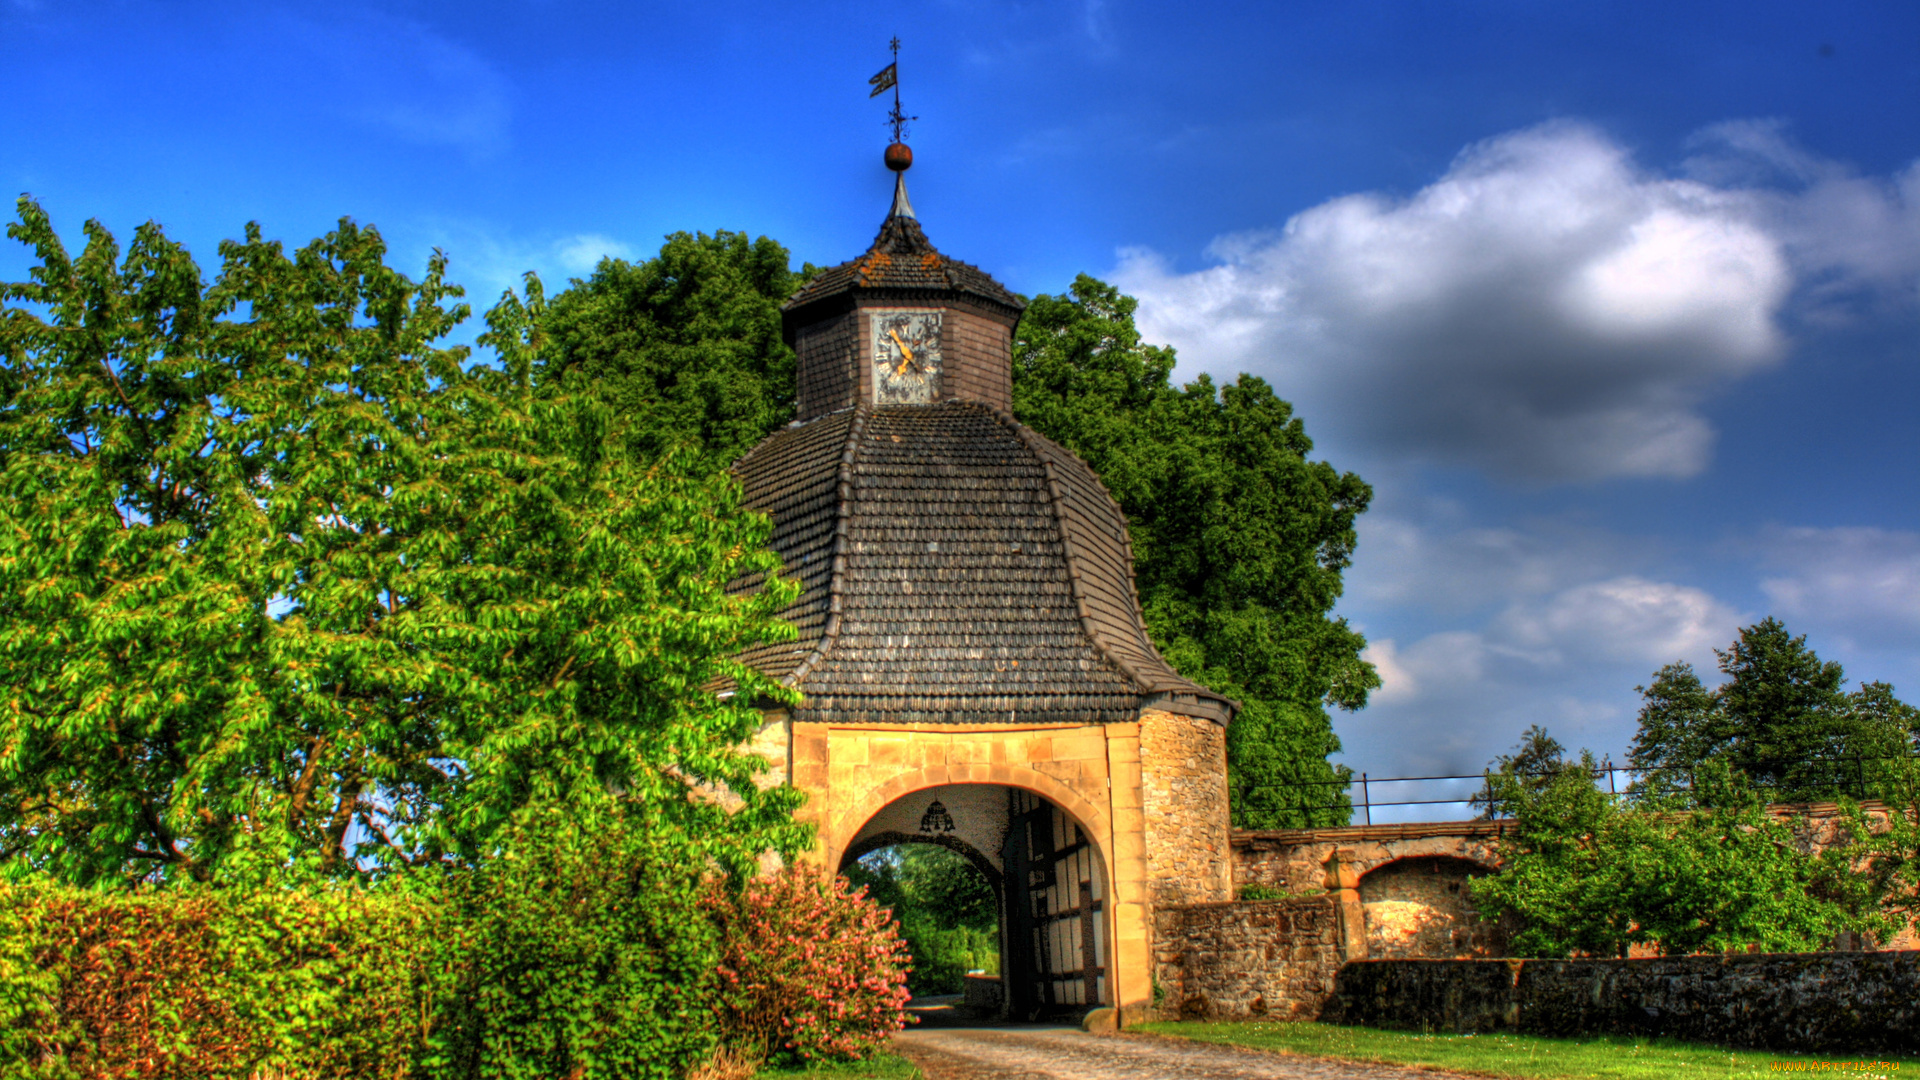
(815,969)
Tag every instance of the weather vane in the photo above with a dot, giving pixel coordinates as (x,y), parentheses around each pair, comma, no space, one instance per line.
(889,79)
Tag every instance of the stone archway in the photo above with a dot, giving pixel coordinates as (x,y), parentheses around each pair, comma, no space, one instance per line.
(853,814)
(1421,907)
(1049,875)
(1148,797)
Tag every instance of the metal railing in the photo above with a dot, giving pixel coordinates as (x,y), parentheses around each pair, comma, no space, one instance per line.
(1848,776)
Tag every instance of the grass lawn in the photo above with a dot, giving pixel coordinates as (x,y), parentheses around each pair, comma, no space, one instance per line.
(881,1066)
(1530,1056)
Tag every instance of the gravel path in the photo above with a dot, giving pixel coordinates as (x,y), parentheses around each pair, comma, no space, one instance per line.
(1062,1053)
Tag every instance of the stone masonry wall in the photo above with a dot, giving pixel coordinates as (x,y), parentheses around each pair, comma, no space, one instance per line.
(1422,907)
(850,772)
(1293,859)
(1245,960)
(1183,762)
(1848,1003)
(1412,926)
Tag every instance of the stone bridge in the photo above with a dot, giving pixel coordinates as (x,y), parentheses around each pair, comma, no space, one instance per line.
(1411,880)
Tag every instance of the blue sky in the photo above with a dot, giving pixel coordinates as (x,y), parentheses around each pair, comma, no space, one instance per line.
(1617,305)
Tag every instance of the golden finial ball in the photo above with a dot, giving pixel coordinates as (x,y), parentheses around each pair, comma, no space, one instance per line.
(899,158)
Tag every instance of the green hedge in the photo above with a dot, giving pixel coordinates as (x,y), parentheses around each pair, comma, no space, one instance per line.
(566,956)
(203,983)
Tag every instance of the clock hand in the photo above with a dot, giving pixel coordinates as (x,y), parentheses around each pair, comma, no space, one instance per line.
(904,351)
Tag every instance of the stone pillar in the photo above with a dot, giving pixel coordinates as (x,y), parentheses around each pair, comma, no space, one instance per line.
(1344,883)
(808,752)
(1130,949)
(1186,814)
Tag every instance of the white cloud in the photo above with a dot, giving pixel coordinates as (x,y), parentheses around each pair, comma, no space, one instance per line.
(1849,237)
(489,260)
(580,254)
(1097,23)
(1548,310)
(1436,665)
(1855,582)
(1550,622)
(1450,701)
(1624,618)
(1455,568)
(1396,681)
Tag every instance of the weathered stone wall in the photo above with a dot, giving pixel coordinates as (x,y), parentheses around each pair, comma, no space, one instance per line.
(1183,764)
(1240,960)
(1295,859)
(1844,1002)
(1422,907)
(1403,924)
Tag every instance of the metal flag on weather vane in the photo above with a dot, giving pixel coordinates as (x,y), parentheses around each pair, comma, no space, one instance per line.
(884,81)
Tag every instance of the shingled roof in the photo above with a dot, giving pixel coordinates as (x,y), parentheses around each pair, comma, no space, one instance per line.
(956,567)
(902,260)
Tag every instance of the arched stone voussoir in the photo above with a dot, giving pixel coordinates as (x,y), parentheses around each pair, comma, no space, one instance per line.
(896,839)
(847,824)
(1464,859)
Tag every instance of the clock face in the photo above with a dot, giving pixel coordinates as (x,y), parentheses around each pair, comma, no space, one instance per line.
(906,357)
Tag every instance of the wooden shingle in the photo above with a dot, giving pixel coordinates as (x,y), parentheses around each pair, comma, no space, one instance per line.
(956,567)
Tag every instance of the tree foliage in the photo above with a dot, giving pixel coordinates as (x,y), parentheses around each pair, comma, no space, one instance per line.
(285,582)
(1239,539)
(1587,875)
(1781,719)
(947,910)
(1884,855)
(1534,763)
(685,345)
(581,949)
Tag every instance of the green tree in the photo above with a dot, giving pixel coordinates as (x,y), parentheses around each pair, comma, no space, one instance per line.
(1680,726)
(1781,719)
(1585,875)
(948,912)
(1535,762)
(1239,540)
(685,345)
(1880,868)
(286,583)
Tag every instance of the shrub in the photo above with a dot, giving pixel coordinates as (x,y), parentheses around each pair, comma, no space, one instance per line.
(585,952)
(577,951)
(197,982)
(1587,876)
(813,968)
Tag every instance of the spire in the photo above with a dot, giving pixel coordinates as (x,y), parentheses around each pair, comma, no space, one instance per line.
(901,207)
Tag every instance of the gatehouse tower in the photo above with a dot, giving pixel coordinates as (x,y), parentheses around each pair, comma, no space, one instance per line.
(974,667)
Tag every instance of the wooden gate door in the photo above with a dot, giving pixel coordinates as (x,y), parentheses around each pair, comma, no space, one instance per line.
(1056,903)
